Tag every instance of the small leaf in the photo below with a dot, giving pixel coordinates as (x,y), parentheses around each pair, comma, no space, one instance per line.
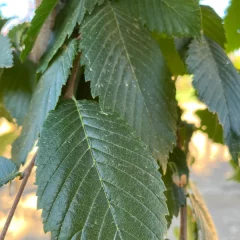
(72,14)
(6,58)
(204,220)
(232,25)
(170,54)
(129,74)
(17,85)
(210,125)
(41,14)
(174,18)
(218,84)
(17,34)
(45,98)
(95,178)
(8,171)
(213,26)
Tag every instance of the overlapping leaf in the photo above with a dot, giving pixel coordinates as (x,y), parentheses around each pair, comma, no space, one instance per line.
(96,179)
(213,26)
(167,46)
(6,58)
(8,171)
(174,17)
(41,14)
(218,85)
(210,125)
(128,73)
(45,98)
(17,85)
(72,14)
(232,25)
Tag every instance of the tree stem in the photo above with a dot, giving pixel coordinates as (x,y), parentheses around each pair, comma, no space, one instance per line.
(69,91)
(183,223)
(25,177)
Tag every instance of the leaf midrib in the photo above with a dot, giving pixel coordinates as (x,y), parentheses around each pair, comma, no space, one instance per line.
(132,70)
(95,164)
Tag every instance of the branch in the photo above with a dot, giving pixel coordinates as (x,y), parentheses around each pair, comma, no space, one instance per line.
(25,177)
(183,223)
(69,91)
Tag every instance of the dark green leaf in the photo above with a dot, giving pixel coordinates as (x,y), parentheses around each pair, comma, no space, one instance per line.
(41,14)
(8,171)
(45,98)
(3,22)
(17,85)
(232,25)
(96,179)
(210,125)
(128,73)
(218,85)
(213,26)
(170,54)
(174,18)
(72,14)
(6,58)
(178,161)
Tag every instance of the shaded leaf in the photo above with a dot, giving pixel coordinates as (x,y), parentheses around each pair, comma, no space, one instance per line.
(17,34)
(8,171)
(96,179)
(72,14)
(210,125)
(3,21)
(174,18)
(232,25)
(204,220)
(17,85)
(170,54)
(128,73)
(41,14)
(213,25)
(218,85)
(45,98)
(6,58)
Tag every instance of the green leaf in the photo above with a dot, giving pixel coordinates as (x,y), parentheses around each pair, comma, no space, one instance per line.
(6,140)
(8,171)
(96,179)
(6,58)
(232,25)
(218,84)
(45,98)
(3,22)
(210,125)
(128,73)
(203,217)
(41,14)
(16,35)
(236,172)
(72,14)
(174,17)
(170,54)
(17,85)
(213,26)
(178,161)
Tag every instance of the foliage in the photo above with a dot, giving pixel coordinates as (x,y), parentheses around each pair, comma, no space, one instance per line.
(115,166)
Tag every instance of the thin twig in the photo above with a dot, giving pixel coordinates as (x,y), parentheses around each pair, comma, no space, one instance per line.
(25,177)
(69,91)
(183,223)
